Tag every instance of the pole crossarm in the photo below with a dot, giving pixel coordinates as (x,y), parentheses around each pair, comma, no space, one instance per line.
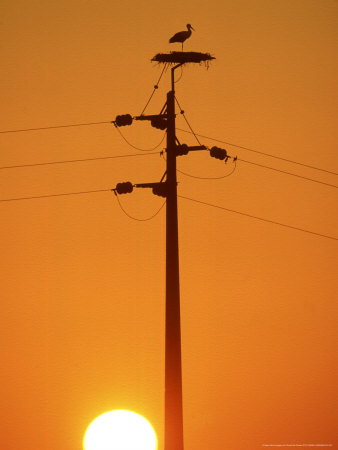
(151,117)
(148,185)
(184,149)
(196,147)
(160,189)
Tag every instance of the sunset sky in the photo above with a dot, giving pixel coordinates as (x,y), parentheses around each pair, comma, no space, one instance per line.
(83,285)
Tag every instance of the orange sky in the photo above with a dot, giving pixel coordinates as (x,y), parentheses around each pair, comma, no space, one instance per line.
(83,285)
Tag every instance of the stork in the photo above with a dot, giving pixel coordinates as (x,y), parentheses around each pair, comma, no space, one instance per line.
(181,36)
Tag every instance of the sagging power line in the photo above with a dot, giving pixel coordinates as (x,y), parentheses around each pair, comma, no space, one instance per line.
(180,129)
(259,152)
(69,161)
(203,203)
(80,160)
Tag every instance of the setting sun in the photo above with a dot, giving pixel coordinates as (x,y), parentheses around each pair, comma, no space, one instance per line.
(120,430)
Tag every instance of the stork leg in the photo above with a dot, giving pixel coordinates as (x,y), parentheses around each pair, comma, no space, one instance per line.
(182,46)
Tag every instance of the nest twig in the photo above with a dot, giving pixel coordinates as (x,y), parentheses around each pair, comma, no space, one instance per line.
(183,57)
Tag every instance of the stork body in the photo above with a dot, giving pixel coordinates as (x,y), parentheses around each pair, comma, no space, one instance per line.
(181,36)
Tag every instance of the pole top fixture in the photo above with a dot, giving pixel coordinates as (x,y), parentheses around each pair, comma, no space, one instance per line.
(183,58)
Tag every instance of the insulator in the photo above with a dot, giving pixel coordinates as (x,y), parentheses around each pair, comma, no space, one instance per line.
(182,150)
(219,153)
(159,122)
(160,189)
(124,119)
(124,188)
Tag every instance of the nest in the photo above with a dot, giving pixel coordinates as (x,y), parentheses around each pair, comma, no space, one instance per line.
(183,57)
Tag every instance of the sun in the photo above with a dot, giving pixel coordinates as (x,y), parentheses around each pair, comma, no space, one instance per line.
(120,430)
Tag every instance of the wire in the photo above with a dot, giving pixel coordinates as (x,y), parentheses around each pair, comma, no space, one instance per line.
(155,87)
(138,148)
(180,196)
(258,218)
(178,79)
(136,218)
(257,151)
(259,165)
(256,164)
(209,178)
(287,173)
(54,126)
(78,160)
(53,195)
(157,153)
(203,178)
(180,129)
(182,112)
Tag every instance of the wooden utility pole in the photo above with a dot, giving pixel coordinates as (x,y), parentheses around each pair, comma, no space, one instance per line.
(173,439)
(173,420)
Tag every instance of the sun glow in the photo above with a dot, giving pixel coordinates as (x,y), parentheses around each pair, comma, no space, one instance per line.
(120,430)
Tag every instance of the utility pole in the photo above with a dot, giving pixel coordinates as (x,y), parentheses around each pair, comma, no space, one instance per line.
(173,434)
(173,414)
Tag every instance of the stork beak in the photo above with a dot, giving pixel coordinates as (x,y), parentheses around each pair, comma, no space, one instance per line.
(193,28)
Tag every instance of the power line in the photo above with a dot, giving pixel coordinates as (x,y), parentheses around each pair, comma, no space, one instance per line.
(180,129)
(287,173)
(53,195)
(178,79)
(259,165)
(155,88)
(78,160)
(209,178)
(157,153)
(249,162)
(181,196)
(258,218)
(205,178)
(138,148)
(191,130)
(136,218)
(55,126)
(257,151)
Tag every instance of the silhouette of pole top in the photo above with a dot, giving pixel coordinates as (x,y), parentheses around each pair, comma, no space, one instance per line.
(183,57)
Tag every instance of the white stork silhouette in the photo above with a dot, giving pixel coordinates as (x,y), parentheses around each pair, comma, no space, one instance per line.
(181,36)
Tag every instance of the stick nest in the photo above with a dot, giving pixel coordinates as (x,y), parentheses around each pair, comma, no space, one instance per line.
(183,57)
